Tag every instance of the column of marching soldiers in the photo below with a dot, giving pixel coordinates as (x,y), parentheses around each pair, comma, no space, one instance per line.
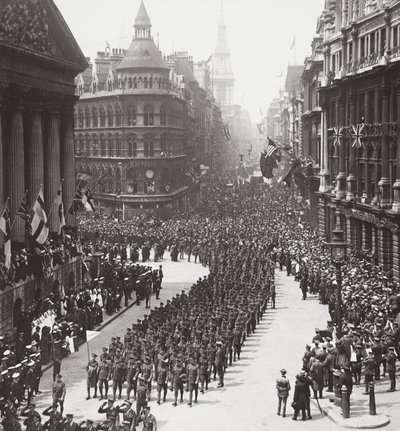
(185,343)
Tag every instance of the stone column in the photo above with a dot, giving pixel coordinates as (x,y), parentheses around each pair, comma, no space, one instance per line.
(324,153)
(52,168)
(354,35)
(396,185)
(1,171)
(67,152)
(367,172)
(35,164)
(341,176)
(16,172)
(396,256)
(384,183)
(351,179)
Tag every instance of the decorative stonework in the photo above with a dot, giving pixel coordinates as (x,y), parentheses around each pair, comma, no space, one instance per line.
(24,23)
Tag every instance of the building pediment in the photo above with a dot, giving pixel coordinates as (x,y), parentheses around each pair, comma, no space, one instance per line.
(37,30)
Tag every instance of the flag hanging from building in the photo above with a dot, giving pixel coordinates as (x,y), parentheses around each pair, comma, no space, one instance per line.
(6,229)
(269,159)
(88,200)
(357,134)
(77,203)
(39,224)
(60,209)
(227,133)
(337,136)
(260,128)
(193,175)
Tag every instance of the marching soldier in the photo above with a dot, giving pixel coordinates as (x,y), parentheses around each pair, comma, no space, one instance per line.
(59,392)
(91,380)
(178,378)
(219,363)
(55,418)
(104,376)
(162,375)
(118,373)
(30,413)
(132,373)
(193,380)
(129,415)
(283,388)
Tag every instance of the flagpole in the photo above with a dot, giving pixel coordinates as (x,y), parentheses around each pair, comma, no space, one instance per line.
(15,218)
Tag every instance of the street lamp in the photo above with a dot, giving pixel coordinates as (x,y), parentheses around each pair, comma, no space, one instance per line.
(338,256)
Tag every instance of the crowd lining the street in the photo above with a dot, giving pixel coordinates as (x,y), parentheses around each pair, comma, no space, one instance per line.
(241,234)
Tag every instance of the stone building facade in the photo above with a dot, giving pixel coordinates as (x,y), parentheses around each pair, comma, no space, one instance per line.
(360,148)
(39,59)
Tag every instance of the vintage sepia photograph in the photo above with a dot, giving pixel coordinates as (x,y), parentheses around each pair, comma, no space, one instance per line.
(199,215)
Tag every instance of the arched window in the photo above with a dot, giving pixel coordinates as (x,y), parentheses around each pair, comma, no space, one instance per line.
(148,115)
(110,116)
(131,116)
(132,147)
(118,148)
(159,83)
(151,83)
(131,184)
(145,83)
(118,116)
(109,85)
(163,145)
(95,147)
(129,82)
(148,146)
(163,115)
(95,117)
(80,118)
(103,146)
(102,117)
(87,117)
(86,144)
(110,145)
(135,82)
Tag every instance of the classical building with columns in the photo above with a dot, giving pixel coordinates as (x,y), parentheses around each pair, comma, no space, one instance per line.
(360,148)
(131,127)
(39,59)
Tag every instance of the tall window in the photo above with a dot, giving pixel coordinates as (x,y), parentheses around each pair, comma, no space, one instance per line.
(148,146)
(163,143)
(132,147)
(145,83)
(148,116)
(95,117)
(110,145)
(103,146)
(131,116)
(102,117)
(129,82)
(118,145)
(118,116)
(87,117)
(110,116)
(135,82)
(151,83)
(80,118)
(95,150)
(163,116)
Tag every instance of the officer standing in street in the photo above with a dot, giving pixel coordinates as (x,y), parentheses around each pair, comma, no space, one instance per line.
(283,388)
(59,392)
(391,368)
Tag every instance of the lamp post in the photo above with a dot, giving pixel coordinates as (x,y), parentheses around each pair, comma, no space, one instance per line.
(338,256)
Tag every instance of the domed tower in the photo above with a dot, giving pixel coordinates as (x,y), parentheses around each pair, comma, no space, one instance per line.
(143,56)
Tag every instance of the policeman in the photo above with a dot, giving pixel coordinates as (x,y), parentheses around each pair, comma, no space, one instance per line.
(283,388)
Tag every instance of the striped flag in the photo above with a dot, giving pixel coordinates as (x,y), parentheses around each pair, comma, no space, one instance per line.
(6,229)
(39,224)
(271,148)
(60,209)
(23,212)
(87,200)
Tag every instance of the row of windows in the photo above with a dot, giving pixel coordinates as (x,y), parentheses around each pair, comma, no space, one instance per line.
(106,117)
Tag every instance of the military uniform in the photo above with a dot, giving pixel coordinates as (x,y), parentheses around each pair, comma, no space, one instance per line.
(283,388)
(104,375)
(118,375)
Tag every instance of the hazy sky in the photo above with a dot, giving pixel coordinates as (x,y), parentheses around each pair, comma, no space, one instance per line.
(260,34)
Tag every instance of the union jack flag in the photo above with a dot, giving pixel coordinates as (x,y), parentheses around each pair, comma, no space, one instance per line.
(337,136)
(357,135)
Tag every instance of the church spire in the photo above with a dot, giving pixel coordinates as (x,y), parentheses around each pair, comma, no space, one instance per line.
(142,23)
(222,44)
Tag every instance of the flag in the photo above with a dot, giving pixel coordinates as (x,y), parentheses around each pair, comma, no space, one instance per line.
(269,159)
(77,202)
(357,134)
(60,209)
(288,177)
(227,132)
(6,229)
(23,210)
(260,128)
(39,225)
(293,43)
(193,175)
(87,200)
(300,180)
(337,136)
(84,177)
(209,58)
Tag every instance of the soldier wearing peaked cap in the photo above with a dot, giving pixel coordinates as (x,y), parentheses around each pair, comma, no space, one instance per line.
(283,388)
